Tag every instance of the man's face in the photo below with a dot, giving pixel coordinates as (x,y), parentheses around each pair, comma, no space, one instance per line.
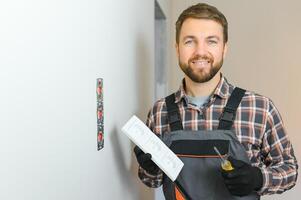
(201,49)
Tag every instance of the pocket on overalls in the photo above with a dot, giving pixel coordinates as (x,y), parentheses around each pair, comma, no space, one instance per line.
(200,176)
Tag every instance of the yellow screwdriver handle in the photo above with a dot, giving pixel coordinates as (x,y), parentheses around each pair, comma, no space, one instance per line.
(227,166)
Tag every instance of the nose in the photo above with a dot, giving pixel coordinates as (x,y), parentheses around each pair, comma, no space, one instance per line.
(201,48)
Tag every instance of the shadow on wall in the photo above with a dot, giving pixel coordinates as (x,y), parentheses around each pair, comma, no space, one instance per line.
(126,176)
(145,91)
(129,177)
(145,77)
(144,88)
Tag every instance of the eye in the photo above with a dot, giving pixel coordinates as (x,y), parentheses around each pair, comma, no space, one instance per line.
(188,42)
(212,42)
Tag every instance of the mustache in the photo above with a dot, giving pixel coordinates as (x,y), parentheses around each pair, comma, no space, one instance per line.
(201,57)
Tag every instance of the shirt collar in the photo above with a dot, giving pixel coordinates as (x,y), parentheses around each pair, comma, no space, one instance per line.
(222,90)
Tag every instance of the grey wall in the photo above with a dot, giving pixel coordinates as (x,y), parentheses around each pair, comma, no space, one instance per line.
(264,56)
(51,53)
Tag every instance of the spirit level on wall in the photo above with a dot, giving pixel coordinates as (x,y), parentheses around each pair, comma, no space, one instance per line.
(100,125)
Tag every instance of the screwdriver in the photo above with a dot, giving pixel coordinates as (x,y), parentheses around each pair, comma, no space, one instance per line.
(226,164)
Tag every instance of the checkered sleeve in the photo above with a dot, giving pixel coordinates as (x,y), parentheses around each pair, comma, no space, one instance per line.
(150,180)
(280,168)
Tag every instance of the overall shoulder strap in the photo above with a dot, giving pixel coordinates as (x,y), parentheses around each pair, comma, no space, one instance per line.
(173,113)
(228,116)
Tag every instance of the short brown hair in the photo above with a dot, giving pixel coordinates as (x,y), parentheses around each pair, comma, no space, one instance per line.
(202,11)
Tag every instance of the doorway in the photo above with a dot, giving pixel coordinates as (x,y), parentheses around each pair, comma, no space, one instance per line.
(160,66)
(160,53)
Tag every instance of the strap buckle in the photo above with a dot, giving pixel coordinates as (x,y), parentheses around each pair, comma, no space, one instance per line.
(228,115)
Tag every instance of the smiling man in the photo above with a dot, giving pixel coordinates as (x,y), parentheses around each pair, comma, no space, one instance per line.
(208,113)
(201,49)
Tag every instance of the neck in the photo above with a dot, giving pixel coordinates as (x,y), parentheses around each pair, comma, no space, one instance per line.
(201,89)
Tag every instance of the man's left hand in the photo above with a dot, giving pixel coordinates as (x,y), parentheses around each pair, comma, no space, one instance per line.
(244,179)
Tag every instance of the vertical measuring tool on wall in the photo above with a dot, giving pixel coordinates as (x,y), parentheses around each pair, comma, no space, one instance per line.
(100,125)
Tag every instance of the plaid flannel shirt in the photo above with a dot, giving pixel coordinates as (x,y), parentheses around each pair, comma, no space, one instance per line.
(258,126)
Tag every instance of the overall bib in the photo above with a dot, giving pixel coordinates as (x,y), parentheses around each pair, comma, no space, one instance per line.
(200,178)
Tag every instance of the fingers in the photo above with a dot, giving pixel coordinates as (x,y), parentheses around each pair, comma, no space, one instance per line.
(141,156)
(139,153)
(137,150)
(237,173)
(146,157)
(229,175)
(236,163)
(237,186)
(236,181)
(145,161)
(236,191)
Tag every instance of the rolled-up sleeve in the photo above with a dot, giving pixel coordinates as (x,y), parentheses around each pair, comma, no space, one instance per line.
(279,168)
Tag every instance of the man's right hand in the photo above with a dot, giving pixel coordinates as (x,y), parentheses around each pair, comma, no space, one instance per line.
(144,160)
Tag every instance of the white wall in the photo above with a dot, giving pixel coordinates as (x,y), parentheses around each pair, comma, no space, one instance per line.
(51,53)
(264,56)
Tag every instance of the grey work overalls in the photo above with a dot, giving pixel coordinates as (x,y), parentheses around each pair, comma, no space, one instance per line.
(200,177)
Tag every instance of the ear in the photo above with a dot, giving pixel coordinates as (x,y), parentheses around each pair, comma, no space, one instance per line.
(225,50)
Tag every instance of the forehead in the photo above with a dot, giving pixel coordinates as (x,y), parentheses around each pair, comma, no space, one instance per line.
(201,27)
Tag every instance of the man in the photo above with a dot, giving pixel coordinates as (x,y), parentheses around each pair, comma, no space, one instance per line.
(206,113)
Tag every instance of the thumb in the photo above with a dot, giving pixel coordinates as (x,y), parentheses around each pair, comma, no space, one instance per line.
(236,163)
(137,150)
(147,156)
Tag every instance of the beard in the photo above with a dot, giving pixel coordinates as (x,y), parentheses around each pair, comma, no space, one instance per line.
(201,75)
